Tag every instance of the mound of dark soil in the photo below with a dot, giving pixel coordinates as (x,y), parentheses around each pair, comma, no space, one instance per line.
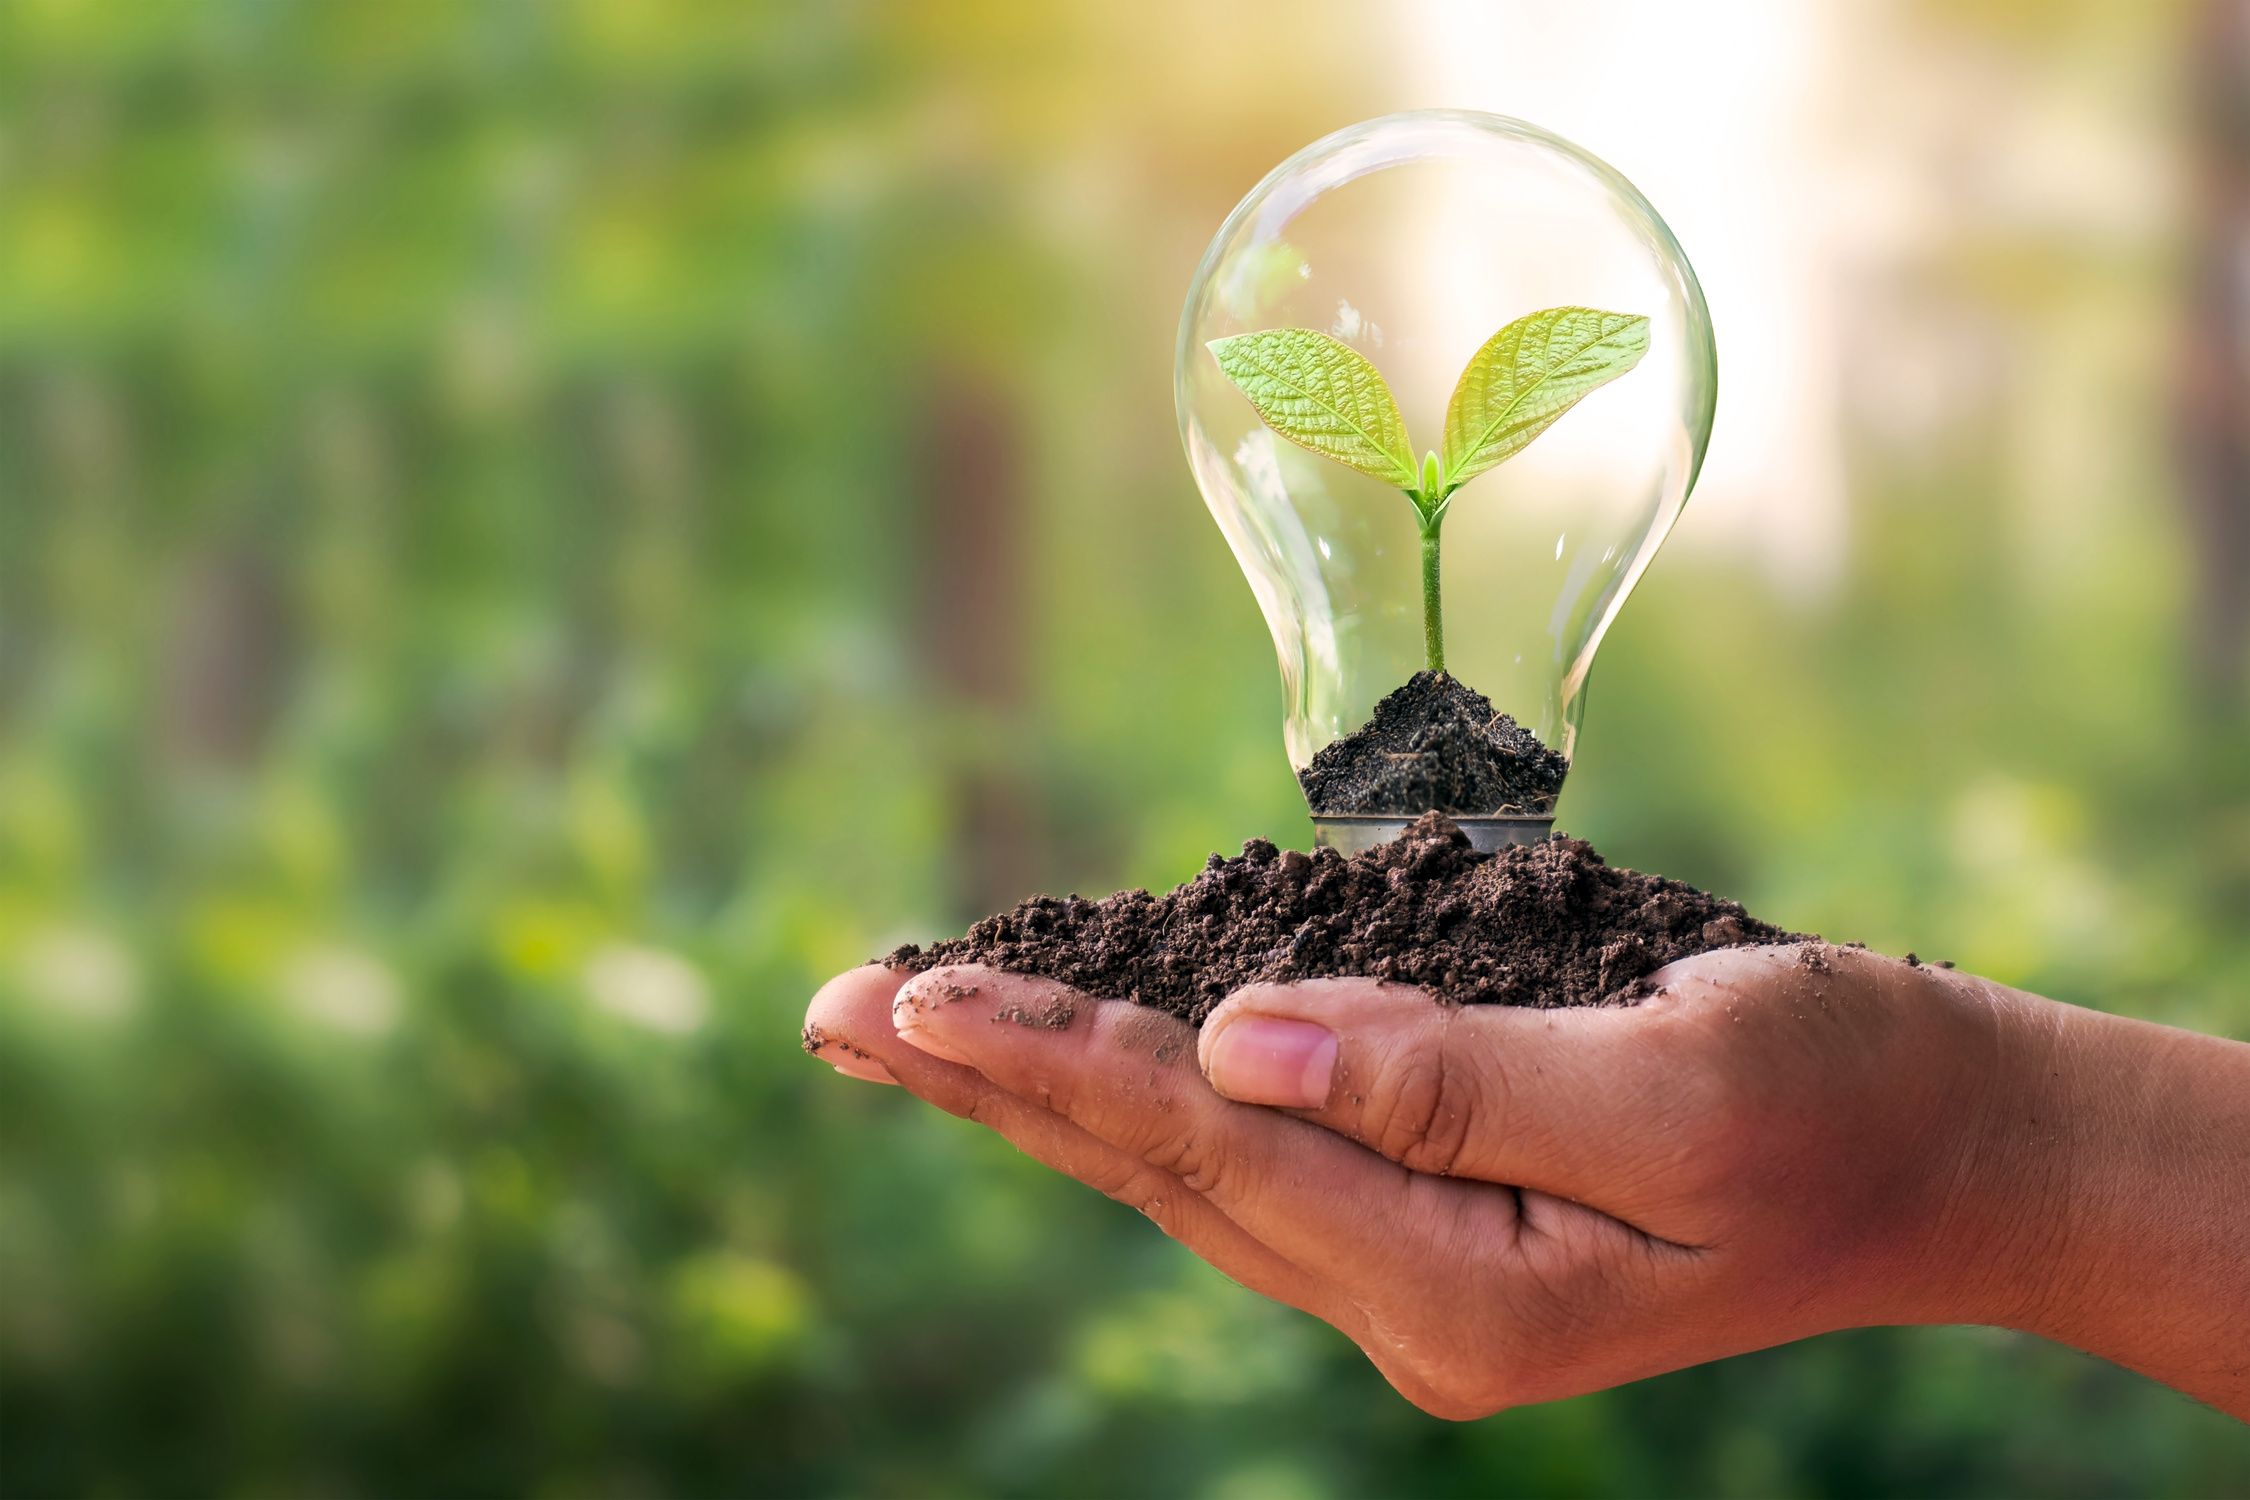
(1435,744)
(1543,924)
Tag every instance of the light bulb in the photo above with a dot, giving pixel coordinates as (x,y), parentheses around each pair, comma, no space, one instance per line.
(1414,239)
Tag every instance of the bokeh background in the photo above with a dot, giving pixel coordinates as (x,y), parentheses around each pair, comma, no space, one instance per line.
(531,533)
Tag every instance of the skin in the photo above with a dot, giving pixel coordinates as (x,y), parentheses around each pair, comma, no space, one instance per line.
(1503,1205)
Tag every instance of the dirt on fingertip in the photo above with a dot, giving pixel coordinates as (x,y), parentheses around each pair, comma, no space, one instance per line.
(1546,924)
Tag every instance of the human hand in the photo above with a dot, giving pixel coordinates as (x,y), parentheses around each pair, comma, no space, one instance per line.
(1504,1205)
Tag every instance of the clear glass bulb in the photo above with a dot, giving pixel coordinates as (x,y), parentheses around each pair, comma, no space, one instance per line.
(1414,238)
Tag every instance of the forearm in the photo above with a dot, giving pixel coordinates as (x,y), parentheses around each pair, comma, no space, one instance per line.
(2126,1159)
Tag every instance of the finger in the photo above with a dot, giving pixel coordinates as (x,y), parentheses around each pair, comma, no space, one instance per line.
(1400,1260)
(1579,1103)
(1123,1074)
(826,1036)
(851,1017)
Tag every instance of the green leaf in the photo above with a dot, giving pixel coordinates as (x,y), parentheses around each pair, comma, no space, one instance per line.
(1321,394)
(1527,375)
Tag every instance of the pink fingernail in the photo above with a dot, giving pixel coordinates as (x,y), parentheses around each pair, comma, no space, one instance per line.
(1265,1060)
(866,1069)
(917,1037)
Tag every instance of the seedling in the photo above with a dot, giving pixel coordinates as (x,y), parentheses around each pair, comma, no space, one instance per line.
(1321,393)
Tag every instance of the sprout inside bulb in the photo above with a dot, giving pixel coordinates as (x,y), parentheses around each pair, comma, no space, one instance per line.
(1412,240)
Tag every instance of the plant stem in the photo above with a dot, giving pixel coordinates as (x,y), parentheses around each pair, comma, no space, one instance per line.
(1433,616)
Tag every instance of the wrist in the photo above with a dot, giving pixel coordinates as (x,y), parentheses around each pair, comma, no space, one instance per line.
(2109,1200)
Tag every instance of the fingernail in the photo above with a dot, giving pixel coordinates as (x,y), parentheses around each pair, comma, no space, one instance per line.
(866,1069)
(917,1037)
(1266,1060)
(914,998)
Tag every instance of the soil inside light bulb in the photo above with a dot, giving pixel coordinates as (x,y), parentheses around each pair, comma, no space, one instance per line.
(1546,924)
(1439,745)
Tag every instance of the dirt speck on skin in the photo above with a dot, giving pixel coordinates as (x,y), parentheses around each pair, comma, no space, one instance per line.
(1055,1013)
(1158,1037)
(1435,744)
(1545,924)
(814,1040)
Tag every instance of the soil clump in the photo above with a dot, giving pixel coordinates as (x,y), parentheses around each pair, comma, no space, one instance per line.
(1546,924)
(1435,744)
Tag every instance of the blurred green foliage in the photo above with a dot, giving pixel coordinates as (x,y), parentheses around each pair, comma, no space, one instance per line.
(466,585)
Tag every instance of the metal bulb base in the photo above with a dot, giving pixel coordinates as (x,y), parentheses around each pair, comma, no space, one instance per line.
(1349,833)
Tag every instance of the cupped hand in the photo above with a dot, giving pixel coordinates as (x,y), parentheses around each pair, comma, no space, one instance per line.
(1505,1205)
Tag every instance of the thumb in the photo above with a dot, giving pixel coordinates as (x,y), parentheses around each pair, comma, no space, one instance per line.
(1578,1102)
